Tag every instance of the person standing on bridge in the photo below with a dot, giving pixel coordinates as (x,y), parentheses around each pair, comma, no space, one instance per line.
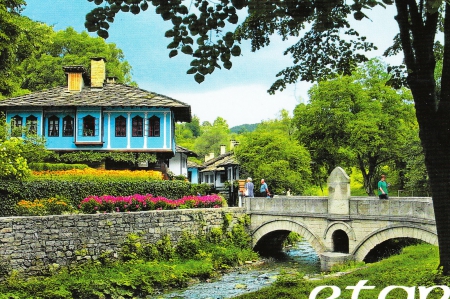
(264,190)
(383,188)
(249,188)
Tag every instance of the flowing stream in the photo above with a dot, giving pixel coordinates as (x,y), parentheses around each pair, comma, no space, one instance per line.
(301,257)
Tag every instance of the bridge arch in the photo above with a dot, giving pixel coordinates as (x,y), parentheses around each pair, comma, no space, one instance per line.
(332,227)
(288,225)
(392,232)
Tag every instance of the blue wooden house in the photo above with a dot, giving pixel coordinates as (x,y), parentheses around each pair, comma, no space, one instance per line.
(96,114)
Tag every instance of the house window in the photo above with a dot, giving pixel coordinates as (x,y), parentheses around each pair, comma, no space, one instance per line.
(31,122)
(137,125)
(68,126)
(153,127)
(223,177)
(16,126)
(90,126)
(53,126)
(121,126)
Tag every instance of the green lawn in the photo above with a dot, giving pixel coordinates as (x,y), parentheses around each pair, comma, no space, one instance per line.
(416,266)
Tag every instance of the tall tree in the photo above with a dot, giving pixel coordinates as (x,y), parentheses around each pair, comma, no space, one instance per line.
(320,53)
(194,126)
(271,153)
(357,120)
(212,137)
(33,57)
(43,68)
(9,33)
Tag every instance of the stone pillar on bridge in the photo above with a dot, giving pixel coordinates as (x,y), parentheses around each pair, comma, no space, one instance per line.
(338,209)
(338,192)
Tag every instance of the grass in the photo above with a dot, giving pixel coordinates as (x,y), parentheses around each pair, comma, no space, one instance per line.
(416,266)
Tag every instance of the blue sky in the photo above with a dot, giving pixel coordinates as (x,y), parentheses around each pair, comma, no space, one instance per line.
(238,95)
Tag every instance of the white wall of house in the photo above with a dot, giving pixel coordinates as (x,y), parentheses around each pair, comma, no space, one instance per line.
(216,178)
(178,164)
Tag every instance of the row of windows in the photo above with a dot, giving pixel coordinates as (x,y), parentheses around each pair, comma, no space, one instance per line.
(209,178)
(17,123)
(137,126)
(90,126)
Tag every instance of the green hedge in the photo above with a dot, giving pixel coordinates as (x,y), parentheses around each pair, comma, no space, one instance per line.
(55,166)
(12,192)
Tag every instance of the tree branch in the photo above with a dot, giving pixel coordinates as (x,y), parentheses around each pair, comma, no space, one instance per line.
(404,27)
(445,88)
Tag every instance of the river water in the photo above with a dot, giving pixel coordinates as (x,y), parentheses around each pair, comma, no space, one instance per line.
(301,258)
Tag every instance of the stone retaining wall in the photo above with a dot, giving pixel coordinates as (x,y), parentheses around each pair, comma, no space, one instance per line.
(31,244)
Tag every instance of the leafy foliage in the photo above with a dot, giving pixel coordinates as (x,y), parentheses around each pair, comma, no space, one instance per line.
(12,164)
(357,120)
(41,207)
(36,61)
(92,157)
(42,166)
(92,174)
(212,136)
(270,153)
(9,34)
(416,176)
(214,46)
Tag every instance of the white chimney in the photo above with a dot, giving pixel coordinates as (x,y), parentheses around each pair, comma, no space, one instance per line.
(111,80)
(223,149)
(233,143)
(209,157)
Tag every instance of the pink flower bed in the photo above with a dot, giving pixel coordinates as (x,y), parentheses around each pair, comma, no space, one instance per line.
(138,202)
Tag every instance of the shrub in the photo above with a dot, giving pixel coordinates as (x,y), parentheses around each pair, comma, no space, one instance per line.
(12,163)
(188,246)
(41,207)
(202,189)
(98,174)
(11,192)
(55,166)
(137,202)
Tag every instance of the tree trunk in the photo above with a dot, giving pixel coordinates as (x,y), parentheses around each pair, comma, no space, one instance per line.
(433,114)
(435,136)
(368,173)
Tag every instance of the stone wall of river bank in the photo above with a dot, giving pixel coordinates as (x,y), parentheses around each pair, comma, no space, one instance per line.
(32,244)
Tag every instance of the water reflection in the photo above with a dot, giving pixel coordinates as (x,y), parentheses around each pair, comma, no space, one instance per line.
(301,258)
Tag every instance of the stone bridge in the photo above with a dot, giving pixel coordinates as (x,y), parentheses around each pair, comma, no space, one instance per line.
(340,227)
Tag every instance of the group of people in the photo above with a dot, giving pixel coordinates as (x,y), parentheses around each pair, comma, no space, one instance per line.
(249,189)
(264,189)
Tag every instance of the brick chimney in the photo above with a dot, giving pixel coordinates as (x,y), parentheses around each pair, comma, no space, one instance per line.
(75,75)
(98,72)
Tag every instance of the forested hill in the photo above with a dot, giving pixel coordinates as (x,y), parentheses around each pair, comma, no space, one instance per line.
(243,128)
